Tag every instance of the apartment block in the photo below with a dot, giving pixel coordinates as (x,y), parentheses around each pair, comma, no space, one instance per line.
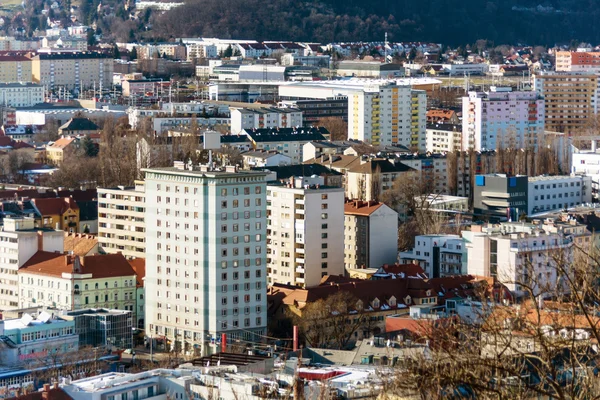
(21,94)
(72,70)
(388,114)
(267,117)
(519,254)
(551,193)
(370,235)
(438,255)
(205,256)
(502,118)
(121,224)
(570,99)
(442,138)
(578,61)
(15,68)
(287,141)
(19,241)
(587,162)
(304,226)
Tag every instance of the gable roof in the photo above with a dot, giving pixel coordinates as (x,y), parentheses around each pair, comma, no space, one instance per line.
(79,124)
(99,265)
(54,206)
(363,208)
(62,143)
(79,244)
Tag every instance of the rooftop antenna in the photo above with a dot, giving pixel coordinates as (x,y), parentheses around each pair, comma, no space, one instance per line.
(385,44)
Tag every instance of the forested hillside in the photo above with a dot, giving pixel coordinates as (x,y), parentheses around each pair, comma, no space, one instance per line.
(446,21)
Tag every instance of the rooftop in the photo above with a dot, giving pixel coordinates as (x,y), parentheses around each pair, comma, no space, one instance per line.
(56,264)
(286,134)
(364,208)
(79,124)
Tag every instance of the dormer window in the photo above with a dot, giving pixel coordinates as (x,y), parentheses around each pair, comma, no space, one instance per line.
(359,305)
(392,301)
(407,300)
(376,303)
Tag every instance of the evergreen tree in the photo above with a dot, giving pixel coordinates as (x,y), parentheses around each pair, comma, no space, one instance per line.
(228,52)
(133,54)
(91,37)
(116,52)
(90,148)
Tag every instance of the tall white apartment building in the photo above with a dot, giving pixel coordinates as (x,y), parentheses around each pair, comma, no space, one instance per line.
(258,118)
(388,114)
(205,256)
(19,241)
(304,231)
(502,118)
(121,224)
(20,94)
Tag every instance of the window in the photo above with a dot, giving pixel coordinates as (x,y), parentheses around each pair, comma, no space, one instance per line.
(323,255)
(324,216)
(224,192)
(257,190)
(324,197)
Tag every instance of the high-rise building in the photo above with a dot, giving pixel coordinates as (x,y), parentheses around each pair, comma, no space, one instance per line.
(501,118)
(578,61)
(205,255)
(20,240)
(121,225)
(15,68)
(304,231)
(570,99)
(388,114)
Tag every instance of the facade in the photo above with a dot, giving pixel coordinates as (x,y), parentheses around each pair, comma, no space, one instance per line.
(438,255)
(20,94)
(305,219)
(15,69)
(121,224)
(587,162)
(443,138)
(370,235)
(578,61)
(263,158)
(258,118)
(551,193)
(205,255)
(516,253)
(501,118)
(70,282)
(314,110)
(58,151)
(368,180)
(20,240)
(500,196)
(61,213)
(570,99)
(104,328)
(388,114)
(81,70)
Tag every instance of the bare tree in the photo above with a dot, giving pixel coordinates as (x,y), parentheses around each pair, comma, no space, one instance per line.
(337,127)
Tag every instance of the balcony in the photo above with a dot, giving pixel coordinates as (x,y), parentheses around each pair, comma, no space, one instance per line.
(300,250)
(299,201)
(300,261)
(300,270)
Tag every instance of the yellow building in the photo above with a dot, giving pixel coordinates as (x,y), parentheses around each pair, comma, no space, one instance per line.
(71,70)
(57,152)
(58,213)
(15,69)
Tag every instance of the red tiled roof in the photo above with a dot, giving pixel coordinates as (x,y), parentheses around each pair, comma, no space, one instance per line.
(62,142)
(409,270)
(99,265)
(364,208)
(55,206)
(139,266)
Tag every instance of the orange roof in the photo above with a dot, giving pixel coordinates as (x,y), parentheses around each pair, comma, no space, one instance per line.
(99,265)
(62,142)
(440,114)
(139,266)
(79,244)
(55,206)
(365,208)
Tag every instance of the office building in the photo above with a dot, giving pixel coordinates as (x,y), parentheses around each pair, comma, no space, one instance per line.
(105,328)
(502,118)
(121,224)
(20,94)
(551,193)
(305,219)
(313,110)
(20,240)
(500,197)
(388,114)
(205,255)
(370,235)
(78,70)
(264,117)
(570,99)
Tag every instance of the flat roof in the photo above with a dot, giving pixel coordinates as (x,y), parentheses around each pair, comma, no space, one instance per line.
(198,172)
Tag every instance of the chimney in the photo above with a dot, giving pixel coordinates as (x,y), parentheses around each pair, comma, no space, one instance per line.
(40,238)
(55,386)
(45,391)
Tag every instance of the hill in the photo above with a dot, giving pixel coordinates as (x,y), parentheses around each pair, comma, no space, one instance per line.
(446,21)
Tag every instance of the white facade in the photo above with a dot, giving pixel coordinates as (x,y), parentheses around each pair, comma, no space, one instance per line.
(588,163)
(19,241)
(205,256)
(121,225)
(197,50)
(501,118)
(438,255)
(257,118)
(443,138)
(388,114)
(304,232)
(546,193)
(21,94)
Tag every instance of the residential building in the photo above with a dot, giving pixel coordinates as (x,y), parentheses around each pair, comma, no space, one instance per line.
(20,241)
(578,61)
(104,328)
(370,235)
(78,70)
(368,180)
(21,94)
(80,244)
(442,116)
(314,150)
(500,196)
(173,51)
(546,193)
(305,219)
(438,255)
(518,254)
(197,50)
(388,114)
(502,118)
(286,172)
(205,255)
(121,223)
(314,110)
(61,213)
(78,126)
(15,68)
(259,118)
(58,151)
(68,282)
(442,138)
(570,99)
(264,158)
(139,267)
(587,162)
(287,141)
(28,340)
